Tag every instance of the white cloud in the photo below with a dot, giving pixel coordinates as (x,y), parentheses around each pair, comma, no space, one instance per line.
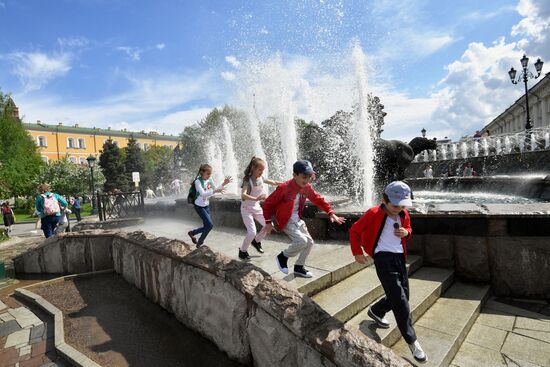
(67,42)
(133,52)
(227,75)
(152,103)
(35,69)
(536,21)
(232,60)
(478,16)
(264,30)
(160,46)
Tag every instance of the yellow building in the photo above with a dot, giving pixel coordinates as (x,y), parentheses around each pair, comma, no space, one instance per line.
(77,143)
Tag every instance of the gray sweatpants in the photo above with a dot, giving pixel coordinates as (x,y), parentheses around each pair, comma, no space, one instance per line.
(301,241)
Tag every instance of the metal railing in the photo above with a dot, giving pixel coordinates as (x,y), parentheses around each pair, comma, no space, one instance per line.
(534,140)
(120,205)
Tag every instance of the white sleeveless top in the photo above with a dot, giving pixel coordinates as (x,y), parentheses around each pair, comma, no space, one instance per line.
(256,190)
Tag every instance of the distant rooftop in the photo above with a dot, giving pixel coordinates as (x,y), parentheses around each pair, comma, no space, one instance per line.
(39,126)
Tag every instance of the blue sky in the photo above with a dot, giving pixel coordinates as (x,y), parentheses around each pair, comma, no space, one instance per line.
(162,65)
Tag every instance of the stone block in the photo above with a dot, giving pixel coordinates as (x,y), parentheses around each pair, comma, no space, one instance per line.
(214,309)
(317,227)
(472,258)
(29,262)
(520,266)
(101,253)
(75,252)
(415,245)
(439,250)
(53,258)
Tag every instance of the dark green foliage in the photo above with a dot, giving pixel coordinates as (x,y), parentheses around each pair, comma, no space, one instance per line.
(20,159)
(134,162)
(158,166)
(112,165)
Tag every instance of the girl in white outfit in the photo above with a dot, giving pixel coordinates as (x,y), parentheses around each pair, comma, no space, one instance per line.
(252,193)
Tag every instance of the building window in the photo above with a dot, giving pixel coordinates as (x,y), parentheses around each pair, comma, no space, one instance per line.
(70,143)
(42,142)
(83,161)
(44,158)
(81,143)
(72,160)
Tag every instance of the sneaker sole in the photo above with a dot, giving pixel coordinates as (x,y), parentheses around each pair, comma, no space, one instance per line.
(303,275)
(374,317)
(283,270)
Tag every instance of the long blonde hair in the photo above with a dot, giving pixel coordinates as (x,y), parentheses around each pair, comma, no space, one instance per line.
(254,162)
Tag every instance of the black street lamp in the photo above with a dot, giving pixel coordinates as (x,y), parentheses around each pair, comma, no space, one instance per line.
(423,131)
(526,75)
(91,163)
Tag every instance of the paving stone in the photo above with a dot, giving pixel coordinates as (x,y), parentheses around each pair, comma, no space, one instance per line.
(6,317)
(2,305)
(486,337)
(471,355)
(33,362)
(527,349)
(25,350)
(9,327)
(494,305)
(37,331)
(496,319)
(39,348)
(17,338)
(539,335)
(532,324)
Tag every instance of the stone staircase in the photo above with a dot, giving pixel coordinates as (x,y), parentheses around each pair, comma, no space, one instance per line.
(443,310)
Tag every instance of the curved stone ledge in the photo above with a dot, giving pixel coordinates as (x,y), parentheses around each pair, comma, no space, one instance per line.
(69,353)
(249,315)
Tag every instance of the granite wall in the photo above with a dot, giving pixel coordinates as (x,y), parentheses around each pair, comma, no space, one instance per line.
(252,317)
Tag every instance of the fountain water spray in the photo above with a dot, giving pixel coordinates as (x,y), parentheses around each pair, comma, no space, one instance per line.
(364,134)
(229,162)
(215,160)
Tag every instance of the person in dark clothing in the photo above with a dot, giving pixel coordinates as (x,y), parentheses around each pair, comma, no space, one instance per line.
(76,208)
(382,232)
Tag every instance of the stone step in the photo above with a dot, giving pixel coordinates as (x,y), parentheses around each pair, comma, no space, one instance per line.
(443,328)
(426,286)
(346,298)
(505,335)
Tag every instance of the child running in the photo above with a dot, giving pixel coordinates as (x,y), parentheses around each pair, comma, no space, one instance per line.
(205,188)
(252,193)
(382,232)
(287,204)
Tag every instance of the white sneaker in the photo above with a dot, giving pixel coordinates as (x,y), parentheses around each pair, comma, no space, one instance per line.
(417,352)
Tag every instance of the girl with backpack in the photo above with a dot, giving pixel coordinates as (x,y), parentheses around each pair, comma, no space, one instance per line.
(9,217)
(204,188)
(251,194)
(48,208)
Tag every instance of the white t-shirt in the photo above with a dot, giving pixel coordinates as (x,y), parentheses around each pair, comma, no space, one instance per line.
(295,217)
(388,241)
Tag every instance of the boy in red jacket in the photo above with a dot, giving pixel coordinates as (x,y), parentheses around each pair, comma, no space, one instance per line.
(287,204)
(382,233)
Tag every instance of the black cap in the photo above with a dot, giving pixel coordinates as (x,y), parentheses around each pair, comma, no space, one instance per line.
(303,166)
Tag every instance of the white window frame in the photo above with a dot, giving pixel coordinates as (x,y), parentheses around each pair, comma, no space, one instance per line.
(73,160)
(81,143)
(45,145)
(70,143)
(83,161)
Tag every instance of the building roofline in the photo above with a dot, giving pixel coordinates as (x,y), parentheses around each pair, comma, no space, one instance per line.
(516,102)
(97,131)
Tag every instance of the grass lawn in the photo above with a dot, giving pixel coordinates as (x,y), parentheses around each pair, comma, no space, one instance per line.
(24,216)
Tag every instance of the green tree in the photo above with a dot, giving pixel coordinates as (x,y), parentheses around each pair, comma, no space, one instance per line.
(158,166)
(112,164)
(134,162)
(68,179)
(20,159)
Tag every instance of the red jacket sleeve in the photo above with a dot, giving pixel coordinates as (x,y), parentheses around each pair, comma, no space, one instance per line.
(270,204)
(407,225)
(319,201)
(356,232)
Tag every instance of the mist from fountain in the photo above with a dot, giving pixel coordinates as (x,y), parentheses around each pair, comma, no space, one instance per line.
(533,142)
(229,162)
(454,151)
(464,149)
(547,141)
(215,159)
(476,148)
(444,152)
(499,147)
(508,144)
(485,145)
(521,143)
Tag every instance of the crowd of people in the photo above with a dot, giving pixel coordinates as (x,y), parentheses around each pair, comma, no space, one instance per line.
(465,171)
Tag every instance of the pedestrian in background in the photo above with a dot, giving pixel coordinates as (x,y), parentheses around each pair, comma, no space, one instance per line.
(48,205)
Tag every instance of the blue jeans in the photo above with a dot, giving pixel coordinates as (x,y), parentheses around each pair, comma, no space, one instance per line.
(204,213)
(49,223)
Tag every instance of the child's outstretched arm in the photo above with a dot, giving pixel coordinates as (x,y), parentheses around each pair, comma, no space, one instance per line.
(272,182)
(355,234)
(202,192)
(322,204)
